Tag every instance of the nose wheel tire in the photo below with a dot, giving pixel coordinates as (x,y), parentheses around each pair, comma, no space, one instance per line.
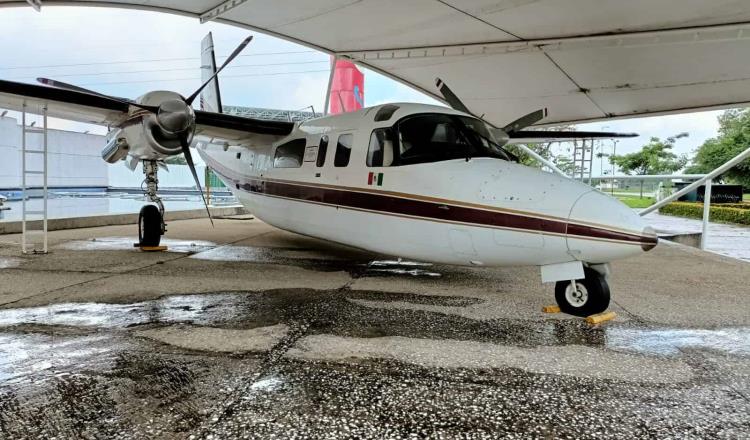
(150,226)
(590,296)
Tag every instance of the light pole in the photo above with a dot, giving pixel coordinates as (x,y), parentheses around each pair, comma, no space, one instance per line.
(614,167)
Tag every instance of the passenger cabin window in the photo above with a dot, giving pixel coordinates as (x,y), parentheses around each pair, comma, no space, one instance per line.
(429,138)
(380,151)
(322,150)
(290,154)
(343,150)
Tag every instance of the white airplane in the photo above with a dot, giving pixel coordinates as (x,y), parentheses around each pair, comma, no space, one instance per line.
(418,181)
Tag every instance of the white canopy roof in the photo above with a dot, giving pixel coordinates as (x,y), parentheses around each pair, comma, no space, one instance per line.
(583,59)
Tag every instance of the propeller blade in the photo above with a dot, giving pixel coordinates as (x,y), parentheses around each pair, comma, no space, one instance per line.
(524,121)
(63,85)
(234,54)
(451,97)
(189,159)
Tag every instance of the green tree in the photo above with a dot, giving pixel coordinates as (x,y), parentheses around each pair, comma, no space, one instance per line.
(176,160)
(544,149)
(733,138)
(566,165)
(656,157)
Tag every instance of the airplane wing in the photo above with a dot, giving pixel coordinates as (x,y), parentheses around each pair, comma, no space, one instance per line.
(101,110)
(240,130)
(66,104)
(542,136)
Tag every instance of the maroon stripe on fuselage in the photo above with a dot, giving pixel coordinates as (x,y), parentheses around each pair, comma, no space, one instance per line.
(435,211)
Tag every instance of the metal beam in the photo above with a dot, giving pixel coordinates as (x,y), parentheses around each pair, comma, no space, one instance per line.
(706,213)
(36,4)
(652,177)
(695,34)
(220,9)
(542,160)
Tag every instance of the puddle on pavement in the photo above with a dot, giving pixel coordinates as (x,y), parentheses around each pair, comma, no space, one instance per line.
(252,254)
(400,267)
(735,341)
(9,262)
(126,243)
(267,384)
(196,309)
(24,355)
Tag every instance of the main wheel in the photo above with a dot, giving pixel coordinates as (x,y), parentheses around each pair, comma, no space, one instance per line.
(590,296)
(150,226)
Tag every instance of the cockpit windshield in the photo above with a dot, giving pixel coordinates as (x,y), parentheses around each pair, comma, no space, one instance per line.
(437,137)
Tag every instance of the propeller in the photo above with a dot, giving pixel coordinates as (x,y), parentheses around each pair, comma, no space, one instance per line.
(175,117)
(63,85)
(503,133)
(451,97)
(232,56)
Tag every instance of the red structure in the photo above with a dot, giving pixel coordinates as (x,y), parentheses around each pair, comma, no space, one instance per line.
(347,88)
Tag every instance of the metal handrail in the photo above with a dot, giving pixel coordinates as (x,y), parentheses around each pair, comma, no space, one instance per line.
(651,177)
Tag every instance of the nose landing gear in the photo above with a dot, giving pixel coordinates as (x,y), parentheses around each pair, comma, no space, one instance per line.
(151,224)
(583,297)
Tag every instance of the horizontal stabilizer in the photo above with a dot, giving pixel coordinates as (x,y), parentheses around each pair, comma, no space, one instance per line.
(541,136)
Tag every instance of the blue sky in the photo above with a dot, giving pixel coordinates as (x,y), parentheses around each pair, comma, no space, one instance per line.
(127,53)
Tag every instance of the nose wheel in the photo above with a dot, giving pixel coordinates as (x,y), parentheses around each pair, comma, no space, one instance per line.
(583,297)
(151,224)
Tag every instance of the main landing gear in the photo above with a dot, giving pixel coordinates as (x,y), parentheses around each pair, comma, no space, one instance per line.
(151,224)
(584,297)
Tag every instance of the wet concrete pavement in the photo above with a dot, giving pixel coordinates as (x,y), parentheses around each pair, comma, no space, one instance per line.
(245,331)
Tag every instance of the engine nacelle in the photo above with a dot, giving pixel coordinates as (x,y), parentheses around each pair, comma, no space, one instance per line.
(142,135)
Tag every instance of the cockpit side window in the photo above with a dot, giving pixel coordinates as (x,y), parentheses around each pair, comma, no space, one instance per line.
(380,152)
(343,150)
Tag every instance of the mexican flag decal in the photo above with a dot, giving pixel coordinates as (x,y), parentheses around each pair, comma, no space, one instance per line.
(375,179)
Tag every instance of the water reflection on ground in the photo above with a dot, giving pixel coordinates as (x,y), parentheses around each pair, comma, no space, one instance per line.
(83,205)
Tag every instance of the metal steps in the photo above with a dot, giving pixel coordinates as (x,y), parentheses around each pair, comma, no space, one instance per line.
(35,193)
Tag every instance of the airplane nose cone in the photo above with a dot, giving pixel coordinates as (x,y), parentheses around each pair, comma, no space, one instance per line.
(602,229)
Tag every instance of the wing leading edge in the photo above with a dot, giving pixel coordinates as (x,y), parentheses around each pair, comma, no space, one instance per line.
(101,110)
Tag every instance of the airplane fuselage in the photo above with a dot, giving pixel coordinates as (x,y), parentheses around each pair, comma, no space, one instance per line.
(473,210)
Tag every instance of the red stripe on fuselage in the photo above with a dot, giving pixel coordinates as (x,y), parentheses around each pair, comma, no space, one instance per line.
(386,204)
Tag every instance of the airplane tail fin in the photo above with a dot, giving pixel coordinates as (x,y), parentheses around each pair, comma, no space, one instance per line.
(347,88)
(210,96)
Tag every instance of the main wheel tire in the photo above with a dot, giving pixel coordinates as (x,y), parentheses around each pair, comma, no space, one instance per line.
(590,297)
(149,226)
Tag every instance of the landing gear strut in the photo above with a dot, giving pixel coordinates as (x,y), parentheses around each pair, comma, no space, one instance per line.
(584,297)
(151,224)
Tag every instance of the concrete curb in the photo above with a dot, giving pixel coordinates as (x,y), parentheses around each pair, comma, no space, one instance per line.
(56,224)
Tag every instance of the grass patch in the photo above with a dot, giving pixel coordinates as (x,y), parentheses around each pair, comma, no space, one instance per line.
(637,202)
(746,197)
